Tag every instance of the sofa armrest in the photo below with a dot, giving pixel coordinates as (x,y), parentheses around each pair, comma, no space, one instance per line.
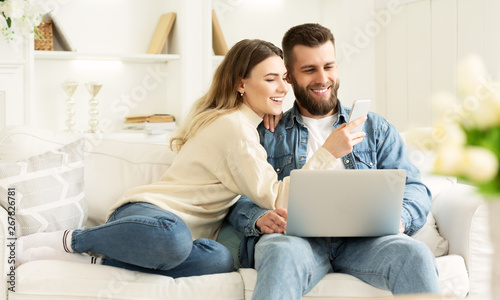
(462,218)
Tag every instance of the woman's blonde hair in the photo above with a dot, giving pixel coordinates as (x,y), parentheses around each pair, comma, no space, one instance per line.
(223,96)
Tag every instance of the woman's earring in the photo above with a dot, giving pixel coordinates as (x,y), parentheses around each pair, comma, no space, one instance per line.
(241,94)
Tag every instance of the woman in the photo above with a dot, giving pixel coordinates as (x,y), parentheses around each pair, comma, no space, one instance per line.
(169,227)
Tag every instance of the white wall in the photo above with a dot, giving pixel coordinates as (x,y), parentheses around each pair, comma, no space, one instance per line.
(16,81)
(119,26)
(270,19)
(417,54)
(395,52)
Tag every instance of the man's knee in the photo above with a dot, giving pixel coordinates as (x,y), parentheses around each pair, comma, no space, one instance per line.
(421,254)
(278,244)
(286,250)
(415,252)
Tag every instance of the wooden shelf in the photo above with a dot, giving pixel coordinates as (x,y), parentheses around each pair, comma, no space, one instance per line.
(133,58)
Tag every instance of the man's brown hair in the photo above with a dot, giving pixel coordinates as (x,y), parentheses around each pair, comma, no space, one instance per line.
(309,34)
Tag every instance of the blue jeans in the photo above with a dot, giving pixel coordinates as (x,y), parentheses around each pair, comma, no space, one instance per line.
(289,267)
(142,237)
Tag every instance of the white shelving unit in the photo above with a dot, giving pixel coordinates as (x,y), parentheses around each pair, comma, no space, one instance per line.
(372,41)
(133,82)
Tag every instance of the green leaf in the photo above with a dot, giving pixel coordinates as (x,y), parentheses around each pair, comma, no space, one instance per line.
(490,188)
(489,139)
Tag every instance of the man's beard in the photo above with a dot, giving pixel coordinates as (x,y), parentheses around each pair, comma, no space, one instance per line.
(313,106)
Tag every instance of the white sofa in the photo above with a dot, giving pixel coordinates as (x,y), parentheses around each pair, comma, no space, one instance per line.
(111,167)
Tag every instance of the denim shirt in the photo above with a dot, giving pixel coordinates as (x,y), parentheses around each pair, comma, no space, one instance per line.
(381,148)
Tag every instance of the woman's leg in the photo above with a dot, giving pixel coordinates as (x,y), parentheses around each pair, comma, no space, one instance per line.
(141,234)
(207,257)
(143,237)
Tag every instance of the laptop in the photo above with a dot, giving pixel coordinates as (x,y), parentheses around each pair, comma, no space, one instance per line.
(345,203)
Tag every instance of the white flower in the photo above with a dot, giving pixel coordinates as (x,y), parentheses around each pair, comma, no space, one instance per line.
(479,164)
(471,74)
(3,21)
(460,129)
(448,160)
(422,138)
(487,112)
(448,134)
(13,9)
(446,106)
(23,15)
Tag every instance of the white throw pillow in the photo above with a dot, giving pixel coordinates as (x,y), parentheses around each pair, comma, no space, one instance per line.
(429,235)
(49,190)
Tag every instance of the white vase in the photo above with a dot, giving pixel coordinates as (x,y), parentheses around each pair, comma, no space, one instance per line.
(494,222)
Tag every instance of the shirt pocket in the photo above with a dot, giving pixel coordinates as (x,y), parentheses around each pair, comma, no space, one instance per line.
(280,163)
(366,159)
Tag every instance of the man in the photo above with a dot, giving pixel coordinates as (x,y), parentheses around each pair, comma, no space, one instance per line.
(289,267)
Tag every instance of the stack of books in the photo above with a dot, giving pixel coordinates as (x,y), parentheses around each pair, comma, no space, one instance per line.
(151,124)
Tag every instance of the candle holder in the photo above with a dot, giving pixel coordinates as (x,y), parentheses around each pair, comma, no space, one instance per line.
(93,88)
(69,88)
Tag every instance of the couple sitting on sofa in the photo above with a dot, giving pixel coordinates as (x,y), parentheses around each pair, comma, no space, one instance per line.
(169,227)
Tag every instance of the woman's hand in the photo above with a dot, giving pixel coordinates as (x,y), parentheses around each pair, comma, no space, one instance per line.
(271,121)
(273,221)
(401,228)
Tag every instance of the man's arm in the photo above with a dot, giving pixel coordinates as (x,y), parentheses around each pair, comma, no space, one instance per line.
(252,220)
(391,154)
(244,214)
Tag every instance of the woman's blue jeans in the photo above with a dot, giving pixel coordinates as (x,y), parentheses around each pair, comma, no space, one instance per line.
(143,237)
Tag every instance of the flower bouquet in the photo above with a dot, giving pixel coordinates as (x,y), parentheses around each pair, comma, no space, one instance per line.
(467,131)
(19,17)
(466,137)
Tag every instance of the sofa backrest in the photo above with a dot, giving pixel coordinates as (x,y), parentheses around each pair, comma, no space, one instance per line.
(111,167)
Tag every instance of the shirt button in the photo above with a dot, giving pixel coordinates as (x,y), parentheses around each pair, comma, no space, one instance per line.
(304,140)
(278,169)
(371,164)
(346,161)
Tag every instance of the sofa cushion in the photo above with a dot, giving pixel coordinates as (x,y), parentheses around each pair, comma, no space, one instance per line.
(113,167)
(70,281)
(453,280)
(462,217)
(453,276)
(49,194)
(334,285)
(21,142)
(429,235)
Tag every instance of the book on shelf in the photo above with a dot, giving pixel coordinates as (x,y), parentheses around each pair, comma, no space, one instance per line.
(150,124)
(161,33)
(219,44)
(61,37)
(150,127)
(149,118)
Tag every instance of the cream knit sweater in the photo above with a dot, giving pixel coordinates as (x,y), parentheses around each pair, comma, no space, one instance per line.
(221,162)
